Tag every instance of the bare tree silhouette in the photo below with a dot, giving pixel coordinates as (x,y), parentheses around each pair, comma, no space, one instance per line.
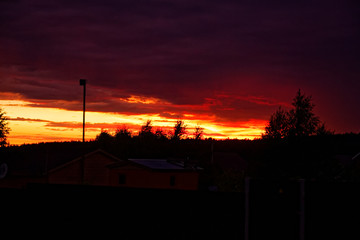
(4,129)
(179,130)
(146,130)
(160,134)
(199,132)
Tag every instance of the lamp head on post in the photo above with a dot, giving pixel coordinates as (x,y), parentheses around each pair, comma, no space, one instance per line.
(82,82)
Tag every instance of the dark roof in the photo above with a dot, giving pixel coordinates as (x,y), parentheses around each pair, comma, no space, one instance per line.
(355,157)
(115,159)
(345,160)
(157,164)
(38,159)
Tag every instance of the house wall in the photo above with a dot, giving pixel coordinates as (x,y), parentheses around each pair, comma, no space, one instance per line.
(95,171)
(69,174)
(20,182)
(145,178)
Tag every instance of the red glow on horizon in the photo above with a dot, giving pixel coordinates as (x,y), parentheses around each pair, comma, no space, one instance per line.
(30,124)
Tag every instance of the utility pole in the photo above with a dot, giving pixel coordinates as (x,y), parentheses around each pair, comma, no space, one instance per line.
(83,83)
(82,177)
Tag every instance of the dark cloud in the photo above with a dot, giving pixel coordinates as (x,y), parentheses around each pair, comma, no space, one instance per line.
(64,126)
(182,53)
(27,119)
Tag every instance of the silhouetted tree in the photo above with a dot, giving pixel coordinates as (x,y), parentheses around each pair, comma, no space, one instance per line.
(278,126)
(179,130)
(146,130)
(322,130)
(122,133)
(298,122)
(302,120)
(104,137)
(160,134)
(199,132)
(4,129)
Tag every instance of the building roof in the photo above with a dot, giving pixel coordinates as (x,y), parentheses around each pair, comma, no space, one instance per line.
(40,159)
(347,159)
(110,156)
(357,156)
(157,164)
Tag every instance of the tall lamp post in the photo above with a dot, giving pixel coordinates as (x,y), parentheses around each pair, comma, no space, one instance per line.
(83,83)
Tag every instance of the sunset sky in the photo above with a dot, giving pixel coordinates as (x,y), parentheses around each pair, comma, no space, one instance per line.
(223,65)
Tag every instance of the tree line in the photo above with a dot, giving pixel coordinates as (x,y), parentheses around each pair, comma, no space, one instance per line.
(149,132)
(300,121)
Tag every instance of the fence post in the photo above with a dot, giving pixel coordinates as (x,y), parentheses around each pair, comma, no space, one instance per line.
(302,210)
(247,207)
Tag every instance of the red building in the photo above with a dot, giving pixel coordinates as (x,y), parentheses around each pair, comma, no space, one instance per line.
(100,168)
(153,173)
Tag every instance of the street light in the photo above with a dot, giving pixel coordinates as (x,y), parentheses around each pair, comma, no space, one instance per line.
(83,83)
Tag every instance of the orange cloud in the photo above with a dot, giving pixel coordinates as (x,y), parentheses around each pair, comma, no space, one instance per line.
(34,124)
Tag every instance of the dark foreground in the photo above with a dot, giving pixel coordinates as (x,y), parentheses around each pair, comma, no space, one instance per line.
(331,211)
(121,213)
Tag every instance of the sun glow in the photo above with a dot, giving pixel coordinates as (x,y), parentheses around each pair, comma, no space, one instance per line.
(31,124)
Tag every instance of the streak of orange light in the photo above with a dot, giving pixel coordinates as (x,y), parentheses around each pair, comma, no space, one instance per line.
(36,124)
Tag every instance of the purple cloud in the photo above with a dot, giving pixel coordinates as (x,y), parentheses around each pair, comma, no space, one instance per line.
(183,52)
